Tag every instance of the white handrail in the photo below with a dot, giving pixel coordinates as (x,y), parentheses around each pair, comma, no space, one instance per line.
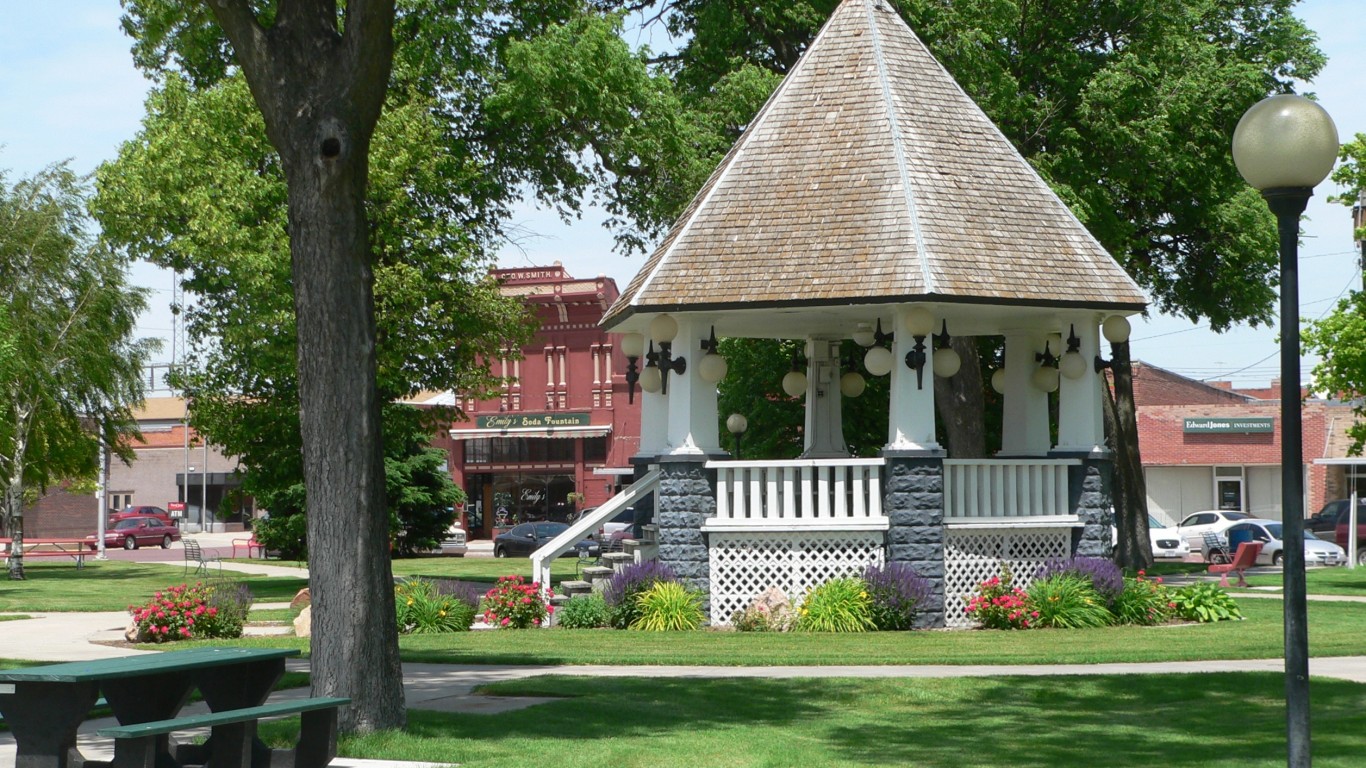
(1006,488)
(800,494)
(543,557)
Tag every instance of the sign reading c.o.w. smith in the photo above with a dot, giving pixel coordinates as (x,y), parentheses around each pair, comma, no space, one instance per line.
(532,420)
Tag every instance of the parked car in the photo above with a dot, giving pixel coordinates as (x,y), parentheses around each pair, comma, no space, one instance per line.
(134,532)
(1193,528)
(141,511)
(621,521)
(1268,532)
(1333,512)
(526,538)
(1341,538)
(454,543)
(1166,540)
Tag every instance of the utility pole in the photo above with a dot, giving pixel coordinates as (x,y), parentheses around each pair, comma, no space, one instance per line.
(1359,224)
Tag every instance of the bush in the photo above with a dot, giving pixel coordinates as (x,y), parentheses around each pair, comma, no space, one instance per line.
(515,604)
(1105,577)
(1144,602)
(422,609)
(838,605)
(668,606)
(586,612)
(626,585)
(286,534)
(193,613)
(1205,602)
(1067,601)
(1000,605)
(897,591)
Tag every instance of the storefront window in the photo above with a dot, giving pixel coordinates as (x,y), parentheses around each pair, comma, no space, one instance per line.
(513,450)
(520,498)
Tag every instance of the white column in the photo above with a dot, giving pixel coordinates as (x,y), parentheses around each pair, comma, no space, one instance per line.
(824,434)
(1024,428)
(654,421)
(1081,425)
(910,420)
(692,401)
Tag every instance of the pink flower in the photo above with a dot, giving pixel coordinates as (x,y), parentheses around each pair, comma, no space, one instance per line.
(505,622)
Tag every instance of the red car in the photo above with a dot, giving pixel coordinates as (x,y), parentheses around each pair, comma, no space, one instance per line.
(141,511)
(137,531)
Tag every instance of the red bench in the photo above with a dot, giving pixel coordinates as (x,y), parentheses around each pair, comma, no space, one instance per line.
(251,544)
(1244,558)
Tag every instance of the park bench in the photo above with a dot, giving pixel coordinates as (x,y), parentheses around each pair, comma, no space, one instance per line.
(233,736)
(76,549)
(195,554)
(1244,558)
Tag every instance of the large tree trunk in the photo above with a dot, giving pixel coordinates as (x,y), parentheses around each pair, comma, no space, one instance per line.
(959,402)
(1134,548)
(320,92)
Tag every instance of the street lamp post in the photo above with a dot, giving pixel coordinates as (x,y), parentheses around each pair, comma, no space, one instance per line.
(1284,146)
(736,424)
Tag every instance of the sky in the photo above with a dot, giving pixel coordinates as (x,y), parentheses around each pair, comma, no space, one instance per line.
(68,91)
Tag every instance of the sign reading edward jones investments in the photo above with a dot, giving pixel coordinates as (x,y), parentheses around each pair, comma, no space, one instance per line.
(1228,426)
(533,420)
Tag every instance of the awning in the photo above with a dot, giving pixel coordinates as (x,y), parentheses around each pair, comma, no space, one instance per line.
(584,431)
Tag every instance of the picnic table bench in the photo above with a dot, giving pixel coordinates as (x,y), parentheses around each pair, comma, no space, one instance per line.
(45,705)
(76,549)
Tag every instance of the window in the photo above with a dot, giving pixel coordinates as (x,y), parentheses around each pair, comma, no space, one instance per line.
(594,449)
(513,450)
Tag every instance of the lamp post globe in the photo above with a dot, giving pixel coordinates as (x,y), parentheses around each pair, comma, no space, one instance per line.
(1284,146)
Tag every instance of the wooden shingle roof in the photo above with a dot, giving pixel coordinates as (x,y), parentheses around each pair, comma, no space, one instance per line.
(870,177)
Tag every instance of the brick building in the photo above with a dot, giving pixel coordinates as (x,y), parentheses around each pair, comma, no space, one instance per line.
(1210,446)
(561,433)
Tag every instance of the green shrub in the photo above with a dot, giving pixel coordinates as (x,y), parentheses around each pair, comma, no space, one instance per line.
(626,586)
(422,610)
(897,591)
(668,606)
(286,534)
(515,604)
(1143,602)
(838,605)
(1205,602)
(1067,601)
(585,612)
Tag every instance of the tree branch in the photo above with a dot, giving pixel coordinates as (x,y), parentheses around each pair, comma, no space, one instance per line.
(369,47)
(248,38)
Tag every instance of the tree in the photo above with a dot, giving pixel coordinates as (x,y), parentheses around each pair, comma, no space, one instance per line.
(70,369)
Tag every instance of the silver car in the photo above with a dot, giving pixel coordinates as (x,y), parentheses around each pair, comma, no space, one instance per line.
(1268,532)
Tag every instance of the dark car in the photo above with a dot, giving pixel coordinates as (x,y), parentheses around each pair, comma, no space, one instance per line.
(141,511)
(139,531)
(1333,512)
(526,538)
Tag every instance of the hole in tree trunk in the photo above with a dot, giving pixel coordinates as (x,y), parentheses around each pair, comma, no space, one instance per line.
(331,147)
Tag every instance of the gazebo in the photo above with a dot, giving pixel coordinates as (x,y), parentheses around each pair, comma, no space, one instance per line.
(872,199)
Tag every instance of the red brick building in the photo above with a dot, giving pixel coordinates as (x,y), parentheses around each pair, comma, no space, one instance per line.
(1210,446)
(561,434)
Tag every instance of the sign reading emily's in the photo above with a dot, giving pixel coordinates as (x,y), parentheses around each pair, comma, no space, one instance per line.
(1228,426)
(532,420)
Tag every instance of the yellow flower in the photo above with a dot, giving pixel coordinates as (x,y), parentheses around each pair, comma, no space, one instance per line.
(410,601)
(443,613)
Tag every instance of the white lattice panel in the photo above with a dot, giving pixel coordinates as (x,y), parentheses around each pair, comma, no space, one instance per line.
(973,556)
(743,565)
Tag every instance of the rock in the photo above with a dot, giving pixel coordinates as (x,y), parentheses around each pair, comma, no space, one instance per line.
(303,623)
(775,605)
(301,599)
(131,633)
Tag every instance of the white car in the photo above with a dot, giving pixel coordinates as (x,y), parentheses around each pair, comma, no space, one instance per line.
(1195,525)
(1316,550)
(1166,540)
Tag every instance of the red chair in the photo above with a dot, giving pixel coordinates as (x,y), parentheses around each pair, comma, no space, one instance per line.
(1244,558)
(251,544)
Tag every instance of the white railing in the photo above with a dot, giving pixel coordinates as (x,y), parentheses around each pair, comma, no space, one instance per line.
(798,495)
(991,489)
(543,557)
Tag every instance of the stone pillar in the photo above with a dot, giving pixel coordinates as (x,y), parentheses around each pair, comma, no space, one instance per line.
(685,499)
(1090,493)
(913,498)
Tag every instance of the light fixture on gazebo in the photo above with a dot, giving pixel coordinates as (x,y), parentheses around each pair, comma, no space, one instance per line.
(663,329)
(651,379)
(919,323)
(863,335)
(712,367)
(633,346)
(794,382)
(1072,365)
(1115,329)
(878,360)
(1046,377)
(946,359)
(998,381)
(852,382)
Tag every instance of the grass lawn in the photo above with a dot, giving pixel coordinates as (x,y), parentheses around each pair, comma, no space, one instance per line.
(113,585)
(1321,581)
(1219,720)
(480,569)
